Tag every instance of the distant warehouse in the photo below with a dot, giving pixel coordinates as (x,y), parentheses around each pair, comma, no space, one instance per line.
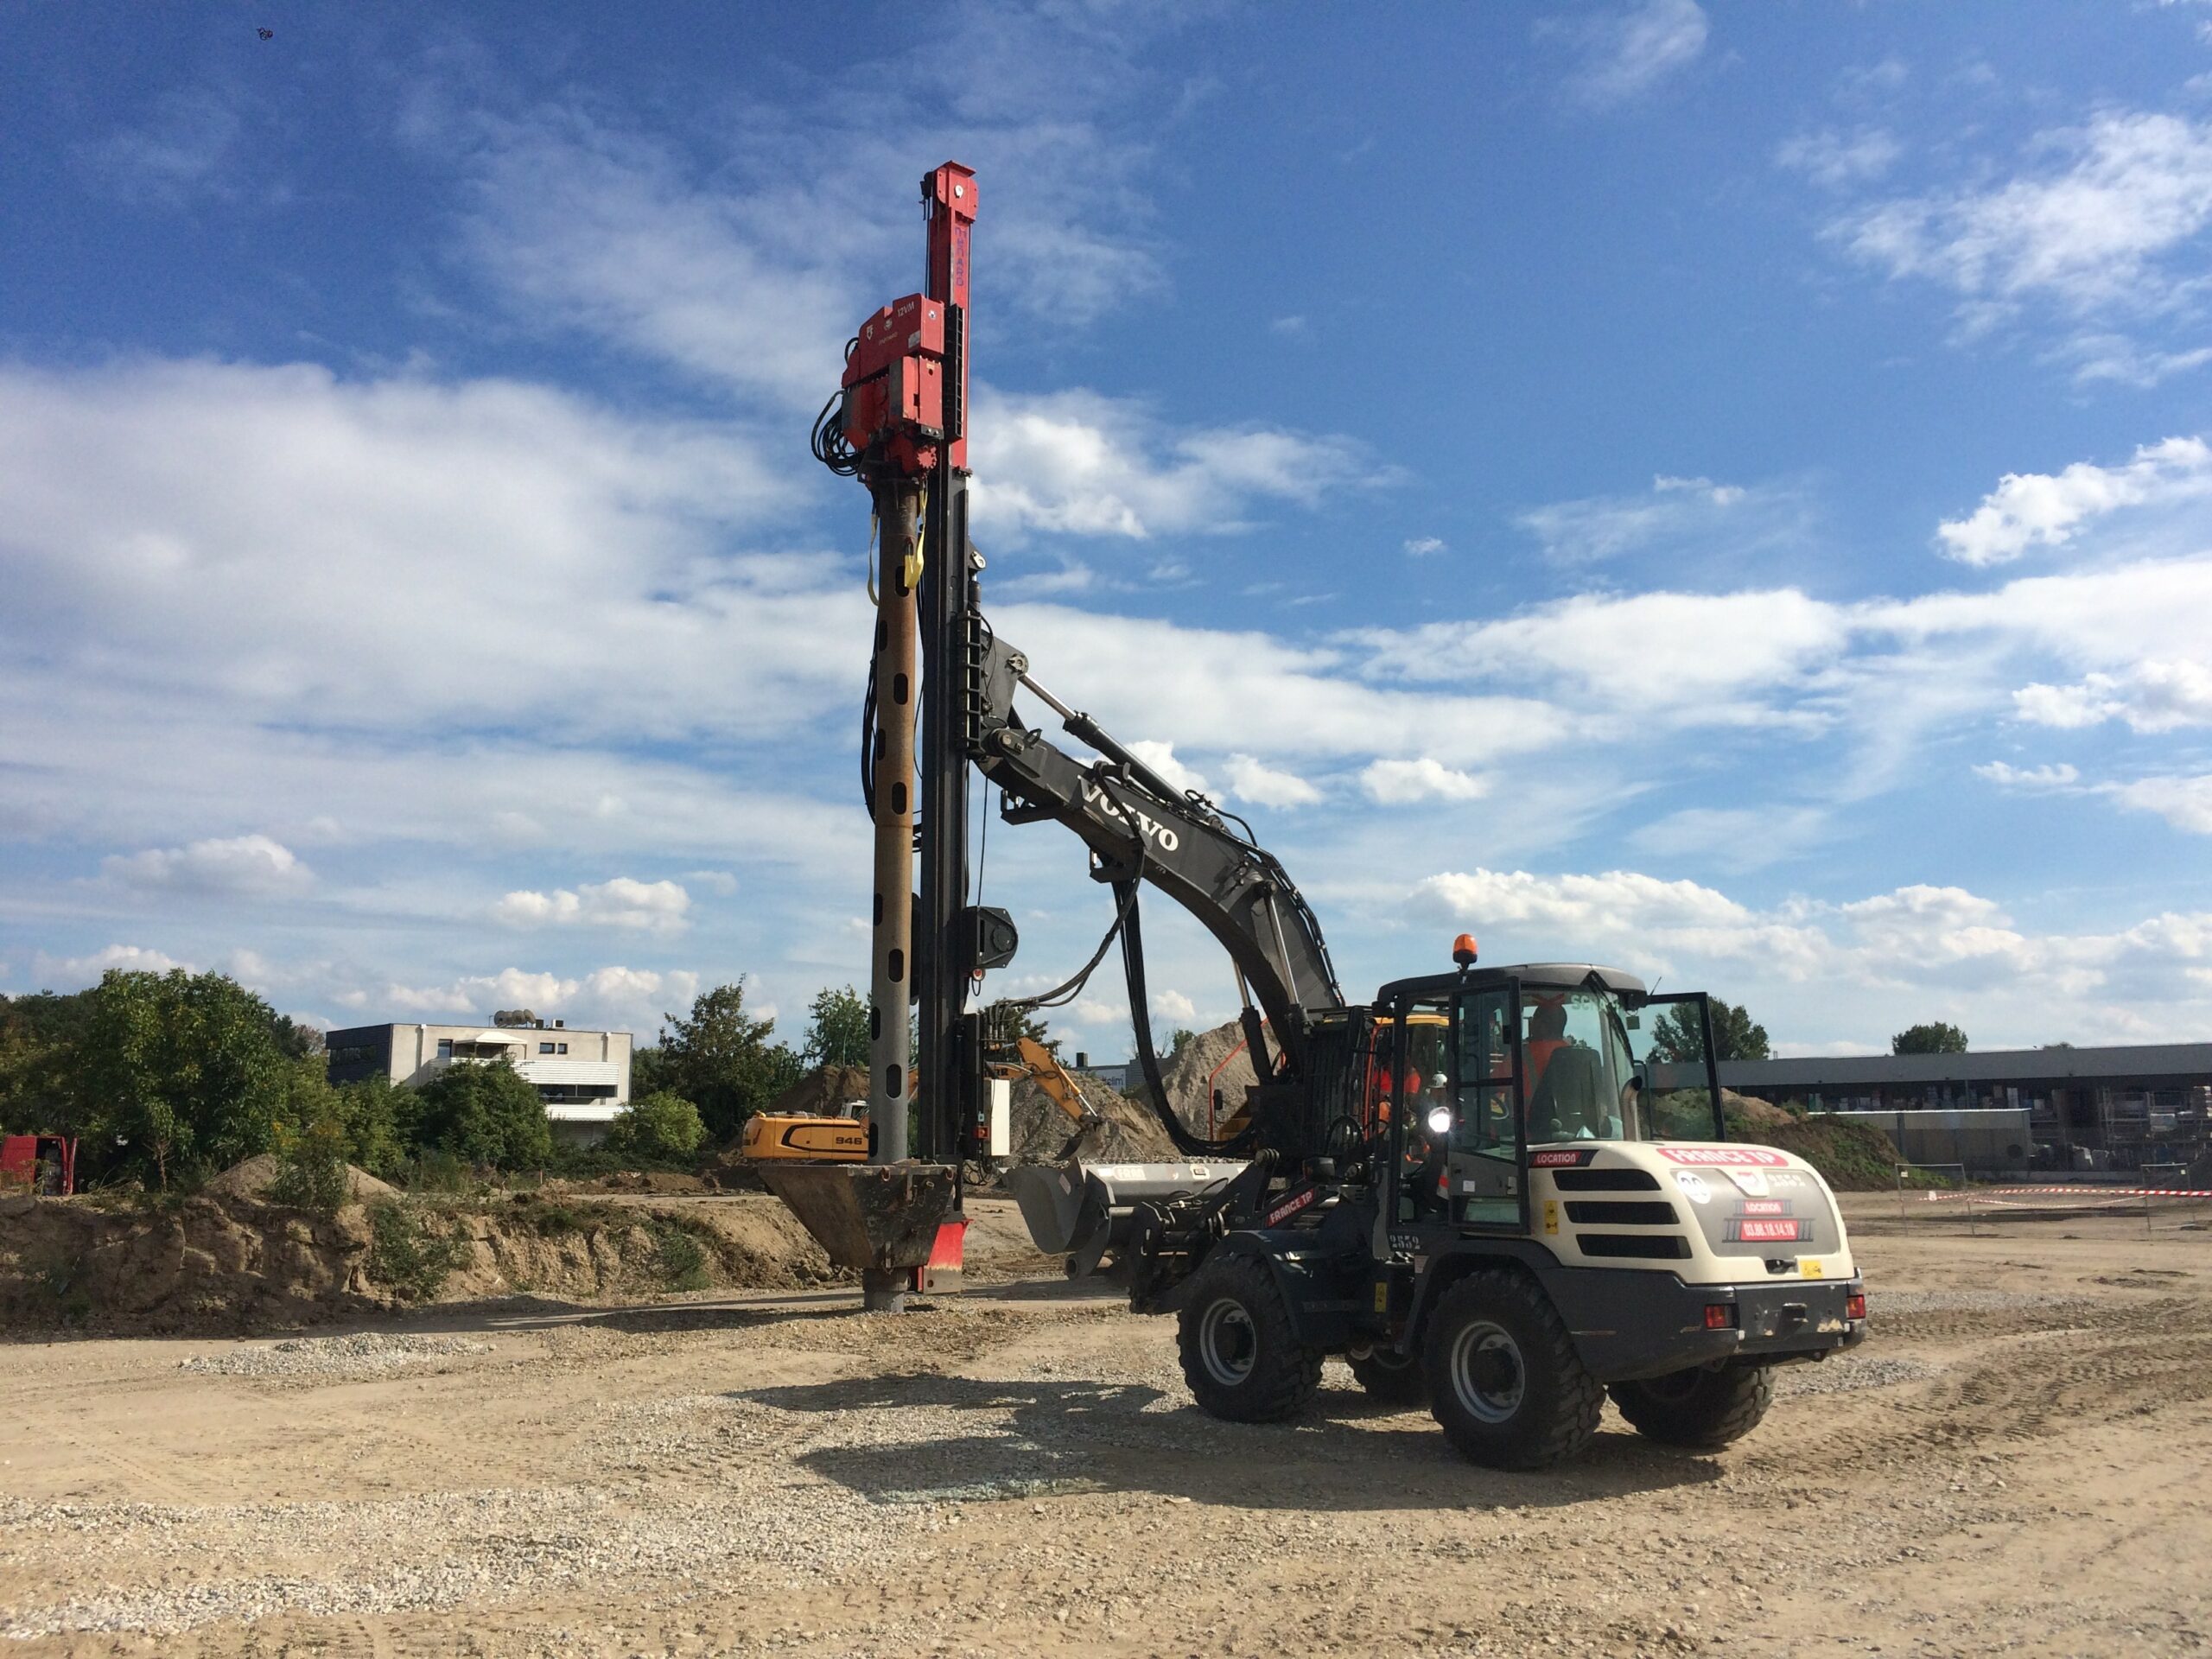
(583,1076)
(2078,1108)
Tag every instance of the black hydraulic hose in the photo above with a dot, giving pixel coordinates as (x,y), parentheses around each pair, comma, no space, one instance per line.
(1189,1144)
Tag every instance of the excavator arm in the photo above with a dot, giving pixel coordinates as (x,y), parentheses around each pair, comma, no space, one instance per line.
(1140,829)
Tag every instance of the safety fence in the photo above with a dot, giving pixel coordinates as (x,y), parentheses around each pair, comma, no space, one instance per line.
(2167,1200)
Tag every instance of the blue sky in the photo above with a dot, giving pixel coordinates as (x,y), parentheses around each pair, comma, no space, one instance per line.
(1721,489)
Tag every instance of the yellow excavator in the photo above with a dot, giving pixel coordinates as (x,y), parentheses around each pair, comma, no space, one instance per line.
(841,1137)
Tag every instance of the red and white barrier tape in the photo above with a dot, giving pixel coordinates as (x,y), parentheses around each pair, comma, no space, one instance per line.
(2071,1191)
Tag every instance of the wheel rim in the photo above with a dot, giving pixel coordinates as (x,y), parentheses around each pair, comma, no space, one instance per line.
(1488,1376)
(1227,1343)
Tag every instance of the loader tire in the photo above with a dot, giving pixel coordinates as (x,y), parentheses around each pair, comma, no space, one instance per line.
(1241,1353)
(1504,1379)
(1390,1379)
(1703,1408)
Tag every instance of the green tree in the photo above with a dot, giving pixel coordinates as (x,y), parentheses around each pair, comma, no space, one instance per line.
(1182,1039)
(179,1073)
(838,1034)
(38,1034)
(1736,1035)
(485,1114)
(1933,1038)
(658,1126)
(724,1059)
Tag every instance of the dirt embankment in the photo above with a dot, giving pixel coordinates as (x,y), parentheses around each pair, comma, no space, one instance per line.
(226,1261)
(1191,1076)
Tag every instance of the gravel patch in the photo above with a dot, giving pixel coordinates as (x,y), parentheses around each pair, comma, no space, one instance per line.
(1847,1373)
(363,1354)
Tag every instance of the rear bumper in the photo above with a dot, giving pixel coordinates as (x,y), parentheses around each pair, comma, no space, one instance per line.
(1628,1324)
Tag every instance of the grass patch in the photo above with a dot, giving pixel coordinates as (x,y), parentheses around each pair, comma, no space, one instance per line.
(679,1254)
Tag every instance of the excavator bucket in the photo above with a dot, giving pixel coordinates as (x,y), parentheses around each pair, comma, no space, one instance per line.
(881,1216)
(1084,1212)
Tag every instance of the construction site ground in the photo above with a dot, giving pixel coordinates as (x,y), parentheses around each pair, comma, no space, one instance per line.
(2013,1462)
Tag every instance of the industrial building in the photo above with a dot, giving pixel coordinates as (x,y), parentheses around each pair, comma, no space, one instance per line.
(2120,1108)
(583,1076)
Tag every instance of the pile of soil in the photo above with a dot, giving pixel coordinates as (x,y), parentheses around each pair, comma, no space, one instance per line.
(1128,1132)
(822,1092)
(1851,1157)
(1187,1075)
(227,1261)
(252,1179)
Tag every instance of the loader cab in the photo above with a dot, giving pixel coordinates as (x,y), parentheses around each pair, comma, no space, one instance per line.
(1531,1062)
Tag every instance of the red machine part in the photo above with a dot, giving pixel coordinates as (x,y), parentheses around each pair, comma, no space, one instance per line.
(45,1164)
(902,400)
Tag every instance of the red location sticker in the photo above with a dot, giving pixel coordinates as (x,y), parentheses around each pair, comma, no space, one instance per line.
(1763,1207)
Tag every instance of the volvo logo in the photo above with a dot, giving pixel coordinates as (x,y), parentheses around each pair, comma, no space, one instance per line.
(1150,828)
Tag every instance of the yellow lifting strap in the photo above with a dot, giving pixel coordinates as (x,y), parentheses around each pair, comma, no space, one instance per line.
(913,572)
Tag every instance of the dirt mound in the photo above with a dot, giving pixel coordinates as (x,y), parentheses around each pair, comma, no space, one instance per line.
(1128,1132)
(232,1263)
(252,1179)
(1851,1157)
(821,1092)
(1187,1075)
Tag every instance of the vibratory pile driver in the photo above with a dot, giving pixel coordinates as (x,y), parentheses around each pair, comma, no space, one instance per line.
(1504,1190)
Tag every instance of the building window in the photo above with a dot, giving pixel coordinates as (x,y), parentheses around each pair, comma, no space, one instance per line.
(564,1048)
(546,1048)
(445,1048)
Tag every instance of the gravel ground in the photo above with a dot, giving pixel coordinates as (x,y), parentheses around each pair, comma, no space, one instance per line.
(2010,1464)
(367,1353)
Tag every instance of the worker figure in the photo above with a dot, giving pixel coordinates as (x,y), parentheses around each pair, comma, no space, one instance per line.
(1546,1036)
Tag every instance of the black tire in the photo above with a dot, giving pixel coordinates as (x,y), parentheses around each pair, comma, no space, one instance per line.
(1504,1379)
(1704,1408)
(1390,1379)
(1241,1354)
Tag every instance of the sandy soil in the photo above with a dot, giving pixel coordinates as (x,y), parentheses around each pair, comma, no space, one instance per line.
(2015,1461)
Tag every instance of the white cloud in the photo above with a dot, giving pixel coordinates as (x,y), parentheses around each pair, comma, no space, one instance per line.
(2105,226)
(1172,1005)
(2058,776)
(1834,159)
(1693,513)
(721,883)
(1160,756)
(188,148)
(2116,358)
(237,867)
(651,906)
(1264,785)
(1401,783)
(2152,695)
(2184,803)
(631,998)
(1628,51)
(1420,547)
(2036,509)
(1077,463)
(75,973)
(1919,951)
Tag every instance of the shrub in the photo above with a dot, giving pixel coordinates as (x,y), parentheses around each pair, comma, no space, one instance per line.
(406,1255)
(486,1114)
(681,1259)
(311,1172)
(660,1126)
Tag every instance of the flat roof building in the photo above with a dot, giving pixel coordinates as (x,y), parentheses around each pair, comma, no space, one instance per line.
(583,1076)
(2119,1107)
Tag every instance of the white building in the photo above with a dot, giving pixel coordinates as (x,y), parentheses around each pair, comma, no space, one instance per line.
(583,1076)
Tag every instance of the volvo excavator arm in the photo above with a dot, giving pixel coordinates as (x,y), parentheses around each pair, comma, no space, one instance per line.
(1140,829)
